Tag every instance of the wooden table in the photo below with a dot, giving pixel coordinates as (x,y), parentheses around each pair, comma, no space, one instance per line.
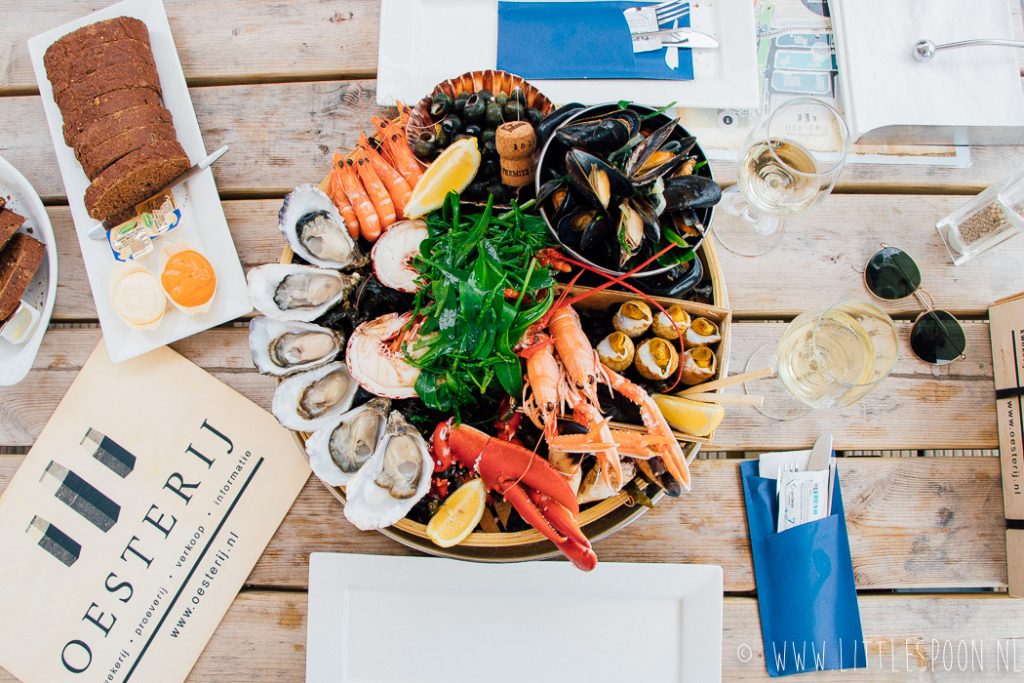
(287,84)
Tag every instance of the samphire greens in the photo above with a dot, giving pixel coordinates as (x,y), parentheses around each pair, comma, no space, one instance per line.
(481,287)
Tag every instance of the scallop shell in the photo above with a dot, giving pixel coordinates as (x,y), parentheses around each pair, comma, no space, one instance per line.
(311,223)
(314,399)
(336,452)
(168,250)
(311,346)
(287,291)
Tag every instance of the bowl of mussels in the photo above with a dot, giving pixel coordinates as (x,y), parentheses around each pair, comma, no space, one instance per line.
(618,183)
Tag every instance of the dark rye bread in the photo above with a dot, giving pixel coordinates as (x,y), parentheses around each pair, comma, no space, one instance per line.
(133,178)
(108,79)
(99,158)
(74,44)
(101,130)
(19,262)
(77,120)
(9,224)
(115,52)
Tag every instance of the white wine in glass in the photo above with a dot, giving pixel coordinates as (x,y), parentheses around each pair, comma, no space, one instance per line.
(776,176)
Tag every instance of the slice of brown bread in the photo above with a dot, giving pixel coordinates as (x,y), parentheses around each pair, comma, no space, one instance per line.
(76,121)
(107,80)
(101,130)
(133,178)
(18,264)
(99,158)
(115,53)
(9,224)
(75,43)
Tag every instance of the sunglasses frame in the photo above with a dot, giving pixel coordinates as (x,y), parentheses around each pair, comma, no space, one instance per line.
(919,293)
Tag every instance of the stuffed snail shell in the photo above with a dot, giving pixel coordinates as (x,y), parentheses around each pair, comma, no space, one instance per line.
(656,358)
(616,351)
(702,332)
(663,322)
(699,365)
(633,319)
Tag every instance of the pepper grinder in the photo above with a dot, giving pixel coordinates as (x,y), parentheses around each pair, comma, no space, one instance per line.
(516,141)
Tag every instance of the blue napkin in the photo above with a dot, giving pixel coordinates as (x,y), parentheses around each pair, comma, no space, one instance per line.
(567,40)
(806,594)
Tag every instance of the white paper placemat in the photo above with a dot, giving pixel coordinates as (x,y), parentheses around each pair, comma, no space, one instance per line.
(388,619)
(203,223)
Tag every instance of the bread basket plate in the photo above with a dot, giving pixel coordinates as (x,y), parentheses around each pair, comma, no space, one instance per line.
(16,360)
(202,223)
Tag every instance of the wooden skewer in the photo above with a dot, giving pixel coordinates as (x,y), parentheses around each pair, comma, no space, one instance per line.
(727,382)
(724,399)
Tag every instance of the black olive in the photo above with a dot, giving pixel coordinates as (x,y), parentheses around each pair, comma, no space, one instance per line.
(476,190)
(440,105)
(423,149)
(502,193)
(493,114)
(487,135)
(463,136)
(489,169)
(451,125)
(534,117)
(474,109)
(440,139)
(501,98)
(518,95)
(490,147)
(472,129)
(485,95)
(514,110)
(460,101)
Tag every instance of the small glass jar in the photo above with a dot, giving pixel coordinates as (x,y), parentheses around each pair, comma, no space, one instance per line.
(986,220)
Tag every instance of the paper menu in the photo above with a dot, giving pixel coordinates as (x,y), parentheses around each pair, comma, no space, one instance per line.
(883,86)
(135,519)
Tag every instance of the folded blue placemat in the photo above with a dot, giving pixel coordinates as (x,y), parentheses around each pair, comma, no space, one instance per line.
(567,40)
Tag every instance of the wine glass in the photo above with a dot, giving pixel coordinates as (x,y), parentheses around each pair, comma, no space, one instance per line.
(827,358)
(791,161)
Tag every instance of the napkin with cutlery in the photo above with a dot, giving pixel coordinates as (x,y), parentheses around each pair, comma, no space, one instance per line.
(578,40)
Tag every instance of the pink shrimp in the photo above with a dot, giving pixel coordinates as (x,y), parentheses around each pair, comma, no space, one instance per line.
(375,189)
(337,194)
(369,222)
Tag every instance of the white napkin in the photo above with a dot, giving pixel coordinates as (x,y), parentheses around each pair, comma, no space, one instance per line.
(885,86)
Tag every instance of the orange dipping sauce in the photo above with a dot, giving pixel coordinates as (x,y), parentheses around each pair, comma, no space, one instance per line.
(189,278)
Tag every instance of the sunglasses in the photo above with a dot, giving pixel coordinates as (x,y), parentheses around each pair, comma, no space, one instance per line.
(937,337)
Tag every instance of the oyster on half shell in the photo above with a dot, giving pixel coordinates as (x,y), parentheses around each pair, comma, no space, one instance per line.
(283,348)
(393,480)
(316,231)
(313,399)
(337,451)
(295,292)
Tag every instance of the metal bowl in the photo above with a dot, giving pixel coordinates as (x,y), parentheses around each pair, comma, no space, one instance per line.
(658,119)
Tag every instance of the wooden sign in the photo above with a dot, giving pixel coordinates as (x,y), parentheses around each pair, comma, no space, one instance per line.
(135,519)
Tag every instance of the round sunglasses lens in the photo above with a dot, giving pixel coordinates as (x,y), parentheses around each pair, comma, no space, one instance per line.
(892,274)
(938,338)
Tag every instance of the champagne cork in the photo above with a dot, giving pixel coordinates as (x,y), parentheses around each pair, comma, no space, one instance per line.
(516,141)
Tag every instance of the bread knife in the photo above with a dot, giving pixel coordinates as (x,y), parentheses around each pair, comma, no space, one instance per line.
(99,231)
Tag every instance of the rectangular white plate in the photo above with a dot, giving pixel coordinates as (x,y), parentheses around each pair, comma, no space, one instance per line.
(388,619)
(424,42)
(203,223)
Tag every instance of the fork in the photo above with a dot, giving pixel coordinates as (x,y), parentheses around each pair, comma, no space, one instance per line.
(787,467)
(649,18)
(671,10)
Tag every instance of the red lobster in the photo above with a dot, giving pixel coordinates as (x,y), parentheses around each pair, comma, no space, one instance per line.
(534,488)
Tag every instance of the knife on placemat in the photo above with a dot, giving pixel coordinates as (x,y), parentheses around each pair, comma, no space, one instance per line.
(675,37)
(821,459)
(99,231)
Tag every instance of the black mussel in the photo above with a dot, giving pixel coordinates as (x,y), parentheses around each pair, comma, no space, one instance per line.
(680,146)
(553,120)
(689,225)
(676,282)
(492,114)
(639,231)
(691,192)
(595,180)
(473,129)
(571,226)
(425,145)
(487,135)
(517,95)
(502,193)
(597,240)
(485,95)
(534,117)
(451,125)
(649,160)
(440,105)
(514,110)
(549,189)
(474,109)
(565,200)
(501,98)
(460,101)
(601,136)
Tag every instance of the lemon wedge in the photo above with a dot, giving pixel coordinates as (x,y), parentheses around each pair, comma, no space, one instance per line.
(459,515)
(452,171)
(688,416)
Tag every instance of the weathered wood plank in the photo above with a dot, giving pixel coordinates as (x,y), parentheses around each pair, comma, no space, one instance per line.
(905,636)
(224,41)
(818,261)
(913,523)
(282,134)
(902,412)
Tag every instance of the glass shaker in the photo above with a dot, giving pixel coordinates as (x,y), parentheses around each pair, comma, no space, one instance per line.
(986,220)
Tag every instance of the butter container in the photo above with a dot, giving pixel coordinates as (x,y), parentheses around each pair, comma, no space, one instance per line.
(133,239)
(22,323)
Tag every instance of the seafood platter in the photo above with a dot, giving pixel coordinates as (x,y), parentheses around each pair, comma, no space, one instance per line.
(454,383)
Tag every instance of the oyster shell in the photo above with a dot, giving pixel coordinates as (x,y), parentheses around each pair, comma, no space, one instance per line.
(286,291)
(393,480)
(337,451)
(315,230)
(315,398)
(283,348)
